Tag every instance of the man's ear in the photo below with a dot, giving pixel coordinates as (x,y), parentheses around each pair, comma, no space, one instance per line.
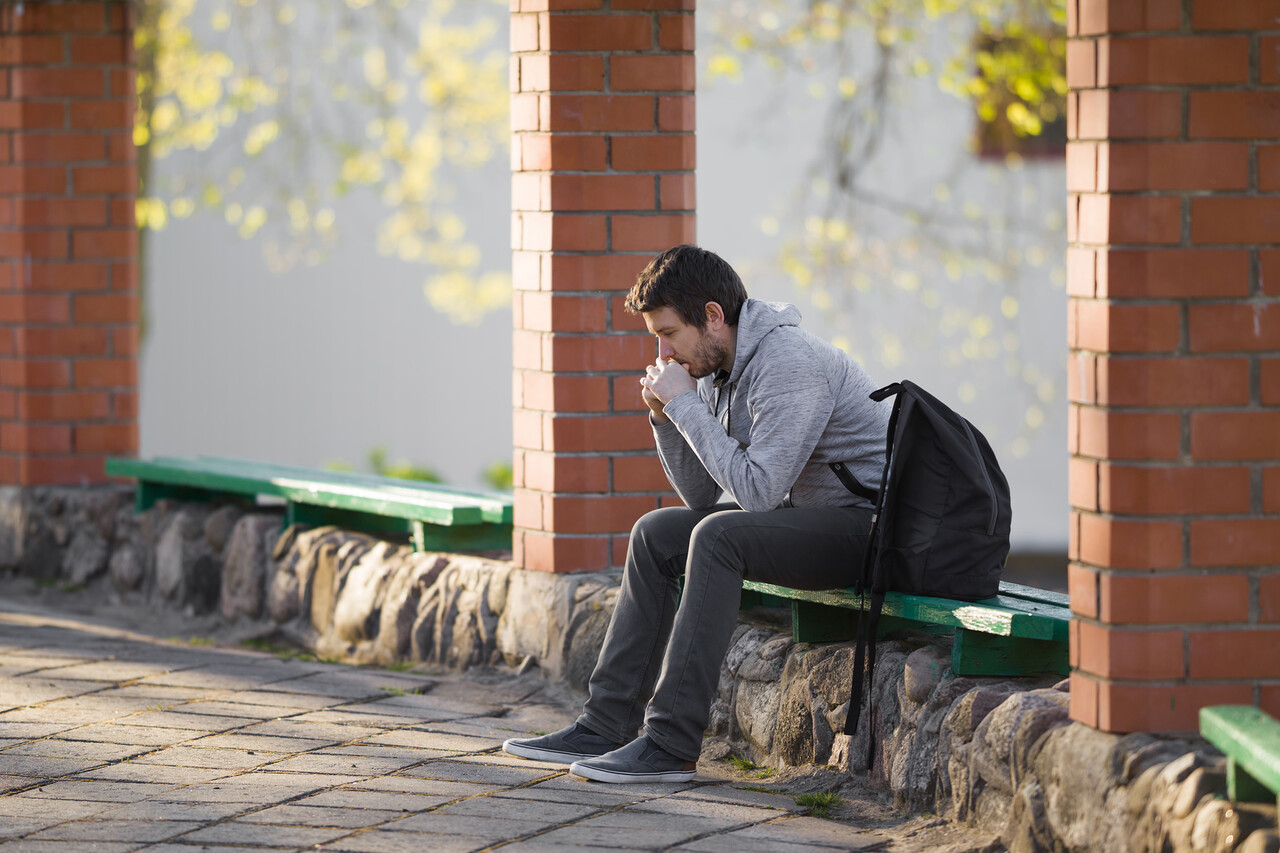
(715,315)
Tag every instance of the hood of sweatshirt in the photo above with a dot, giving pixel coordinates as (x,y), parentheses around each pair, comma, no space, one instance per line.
(758,319)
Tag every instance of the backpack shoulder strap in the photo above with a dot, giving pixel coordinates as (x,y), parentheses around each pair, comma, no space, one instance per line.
(842,471)
(890,390)
(853,484)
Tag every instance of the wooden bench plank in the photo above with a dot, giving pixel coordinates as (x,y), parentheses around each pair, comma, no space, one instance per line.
(495,507)
(437,518)
(1250,738)
(1031,593)
(420,506)
(340,483)
(975,653)
(1024,632)
(1003,616)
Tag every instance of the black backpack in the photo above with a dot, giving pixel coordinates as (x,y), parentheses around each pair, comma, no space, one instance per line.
(941,526)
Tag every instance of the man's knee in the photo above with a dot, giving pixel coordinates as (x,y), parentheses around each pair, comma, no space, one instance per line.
(671,522)
(665,534)
(722,536)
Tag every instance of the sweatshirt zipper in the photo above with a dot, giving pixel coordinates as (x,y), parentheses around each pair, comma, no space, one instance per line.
(728,408)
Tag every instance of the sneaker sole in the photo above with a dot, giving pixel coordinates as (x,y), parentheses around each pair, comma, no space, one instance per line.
(586,771)
(519,750)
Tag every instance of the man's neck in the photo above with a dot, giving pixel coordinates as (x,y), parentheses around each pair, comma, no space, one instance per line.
(731,348)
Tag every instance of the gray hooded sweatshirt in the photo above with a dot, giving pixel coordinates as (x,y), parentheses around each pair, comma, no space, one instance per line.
(766,433)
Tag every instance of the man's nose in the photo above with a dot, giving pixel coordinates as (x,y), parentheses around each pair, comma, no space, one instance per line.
(665,350)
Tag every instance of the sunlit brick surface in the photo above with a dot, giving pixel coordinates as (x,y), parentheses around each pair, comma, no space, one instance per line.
(68,241)
(603,156)
(1174,336)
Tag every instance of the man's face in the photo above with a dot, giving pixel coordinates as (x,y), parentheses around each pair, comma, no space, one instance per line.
(701,353)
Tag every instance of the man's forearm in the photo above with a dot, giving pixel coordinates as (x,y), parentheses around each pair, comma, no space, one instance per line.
(684,470)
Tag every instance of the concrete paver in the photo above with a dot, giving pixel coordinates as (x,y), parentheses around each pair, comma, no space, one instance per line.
(115,741)
(301,815)
(141,735)
(116,830)
(134,772)
(261,743)
(589,834)
(162,718)
(264,835)
(377,800)
(37,846)
(343,765)
(384,841)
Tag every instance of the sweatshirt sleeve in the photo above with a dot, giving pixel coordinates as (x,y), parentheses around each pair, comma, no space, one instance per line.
(790,404)
(685,471)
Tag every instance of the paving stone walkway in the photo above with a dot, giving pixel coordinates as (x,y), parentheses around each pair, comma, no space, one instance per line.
(114,741)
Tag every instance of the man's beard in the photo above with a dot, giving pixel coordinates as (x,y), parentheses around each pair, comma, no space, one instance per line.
(708,355)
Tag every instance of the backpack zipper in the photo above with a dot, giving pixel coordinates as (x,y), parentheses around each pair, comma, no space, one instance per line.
(986,477)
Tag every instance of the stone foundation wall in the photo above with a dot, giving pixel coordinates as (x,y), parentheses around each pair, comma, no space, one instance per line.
(1000,753)
(344,595)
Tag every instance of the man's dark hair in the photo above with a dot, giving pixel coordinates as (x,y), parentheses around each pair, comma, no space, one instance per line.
(685,279)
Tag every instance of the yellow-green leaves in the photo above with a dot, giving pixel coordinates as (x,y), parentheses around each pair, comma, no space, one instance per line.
(300,103)
(725,65)
(260,136)
(954,246)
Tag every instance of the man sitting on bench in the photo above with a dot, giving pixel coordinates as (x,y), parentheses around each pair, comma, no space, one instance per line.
(742,400)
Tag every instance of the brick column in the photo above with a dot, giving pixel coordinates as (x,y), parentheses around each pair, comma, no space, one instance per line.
(1173,276)
(68,242)
(602,111)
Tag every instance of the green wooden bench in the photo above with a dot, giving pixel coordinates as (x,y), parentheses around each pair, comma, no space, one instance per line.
(1022,631)
(438,518)
(1250,738)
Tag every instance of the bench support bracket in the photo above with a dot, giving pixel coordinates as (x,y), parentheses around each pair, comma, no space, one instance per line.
(148,494)
(1245,788)
(976,653)
(473,537)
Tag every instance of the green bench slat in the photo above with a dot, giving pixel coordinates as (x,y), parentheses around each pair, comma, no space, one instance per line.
(308,490)
(1002,615)
(491,506)
(1031,593)
(1250,738)
(1022,631)
(333,494)
(495,507)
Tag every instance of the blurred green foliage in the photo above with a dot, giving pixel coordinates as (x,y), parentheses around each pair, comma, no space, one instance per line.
(498,475)
(402,470)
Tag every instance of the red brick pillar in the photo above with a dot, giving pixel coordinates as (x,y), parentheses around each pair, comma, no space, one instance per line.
(603,156)
(68,243)
(1174,370)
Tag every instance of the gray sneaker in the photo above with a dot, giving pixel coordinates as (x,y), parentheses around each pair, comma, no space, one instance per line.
(565,746)
(642,760)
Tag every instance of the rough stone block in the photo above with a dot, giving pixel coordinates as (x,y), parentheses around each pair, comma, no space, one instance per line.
(246,564)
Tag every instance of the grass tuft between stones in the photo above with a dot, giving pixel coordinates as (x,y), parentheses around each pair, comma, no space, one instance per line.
(820,805)
(746,765)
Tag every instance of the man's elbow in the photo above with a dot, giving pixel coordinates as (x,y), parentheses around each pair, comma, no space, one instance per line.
(760,503)
(699,499)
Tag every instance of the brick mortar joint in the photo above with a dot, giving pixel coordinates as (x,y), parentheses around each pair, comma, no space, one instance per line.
(1169,682)
(609,13)
(1140,301)
(1179,518)
(1174,464)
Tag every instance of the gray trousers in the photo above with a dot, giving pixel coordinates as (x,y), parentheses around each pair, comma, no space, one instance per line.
(661,663)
